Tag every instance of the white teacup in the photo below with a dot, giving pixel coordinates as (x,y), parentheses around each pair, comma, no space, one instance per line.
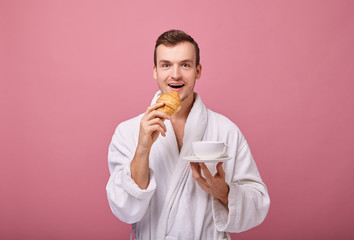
(209,149)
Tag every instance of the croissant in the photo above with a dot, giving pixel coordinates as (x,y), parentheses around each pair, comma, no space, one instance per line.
(172,103)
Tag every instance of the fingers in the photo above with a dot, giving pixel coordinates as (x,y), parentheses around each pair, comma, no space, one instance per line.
(151,112)
(151,126)
(195,170)
(196,173)
(158,114)
(157,121)
(154,107)
(157,128)
(215,186)
(153,120)
(206,171)
(220,170)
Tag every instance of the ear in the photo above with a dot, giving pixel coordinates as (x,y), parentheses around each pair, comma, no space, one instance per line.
(199,71)
(154,72)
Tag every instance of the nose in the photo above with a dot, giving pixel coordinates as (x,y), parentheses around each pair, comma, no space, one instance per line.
(176,73)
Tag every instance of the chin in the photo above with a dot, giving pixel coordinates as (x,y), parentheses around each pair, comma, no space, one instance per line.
(186,97)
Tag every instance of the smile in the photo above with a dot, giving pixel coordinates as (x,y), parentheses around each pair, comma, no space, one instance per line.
(176,85)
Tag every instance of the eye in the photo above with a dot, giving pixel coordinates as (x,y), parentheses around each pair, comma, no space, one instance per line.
(165,65)
(185,65)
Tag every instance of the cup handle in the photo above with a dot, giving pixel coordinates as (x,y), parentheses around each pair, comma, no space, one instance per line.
(226,147)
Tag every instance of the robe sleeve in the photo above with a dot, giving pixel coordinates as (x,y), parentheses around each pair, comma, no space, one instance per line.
(127,201)
(248,197)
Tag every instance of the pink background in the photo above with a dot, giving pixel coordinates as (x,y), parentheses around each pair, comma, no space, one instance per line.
(72,70)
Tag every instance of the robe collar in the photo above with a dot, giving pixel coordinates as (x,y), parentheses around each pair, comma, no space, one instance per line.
(193,131)
(195,124)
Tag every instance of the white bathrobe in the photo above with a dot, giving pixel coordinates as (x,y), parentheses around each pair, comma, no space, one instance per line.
(174,206)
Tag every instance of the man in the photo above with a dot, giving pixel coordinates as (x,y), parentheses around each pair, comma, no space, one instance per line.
(164,196)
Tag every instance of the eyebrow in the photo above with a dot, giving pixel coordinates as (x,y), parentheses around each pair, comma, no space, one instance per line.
(187,61)
(164,61)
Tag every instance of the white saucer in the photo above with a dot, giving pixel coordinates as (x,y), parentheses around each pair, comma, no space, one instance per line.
(194,158)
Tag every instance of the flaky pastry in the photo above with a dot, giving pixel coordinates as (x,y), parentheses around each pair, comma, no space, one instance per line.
(172,103)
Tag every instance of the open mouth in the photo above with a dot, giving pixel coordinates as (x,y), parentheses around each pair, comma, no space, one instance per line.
(176,85)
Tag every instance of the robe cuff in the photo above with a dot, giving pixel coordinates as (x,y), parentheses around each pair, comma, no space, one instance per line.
(133,189)
(223,216)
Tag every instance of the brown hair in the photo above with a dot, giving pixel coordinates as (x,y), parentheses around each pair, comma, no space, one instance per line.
(172,38)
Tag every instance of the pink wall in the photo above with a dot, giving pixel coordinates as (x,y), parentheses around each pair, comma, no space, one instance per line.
(72,70)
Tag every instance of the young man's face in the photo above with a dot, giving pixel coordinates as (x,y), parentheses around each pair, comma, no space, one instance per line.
(175,69)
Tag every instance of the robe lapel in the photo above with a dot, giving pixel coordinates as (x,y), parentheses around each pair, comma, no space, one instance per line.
(169,148)
(194,131)
(167,145)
